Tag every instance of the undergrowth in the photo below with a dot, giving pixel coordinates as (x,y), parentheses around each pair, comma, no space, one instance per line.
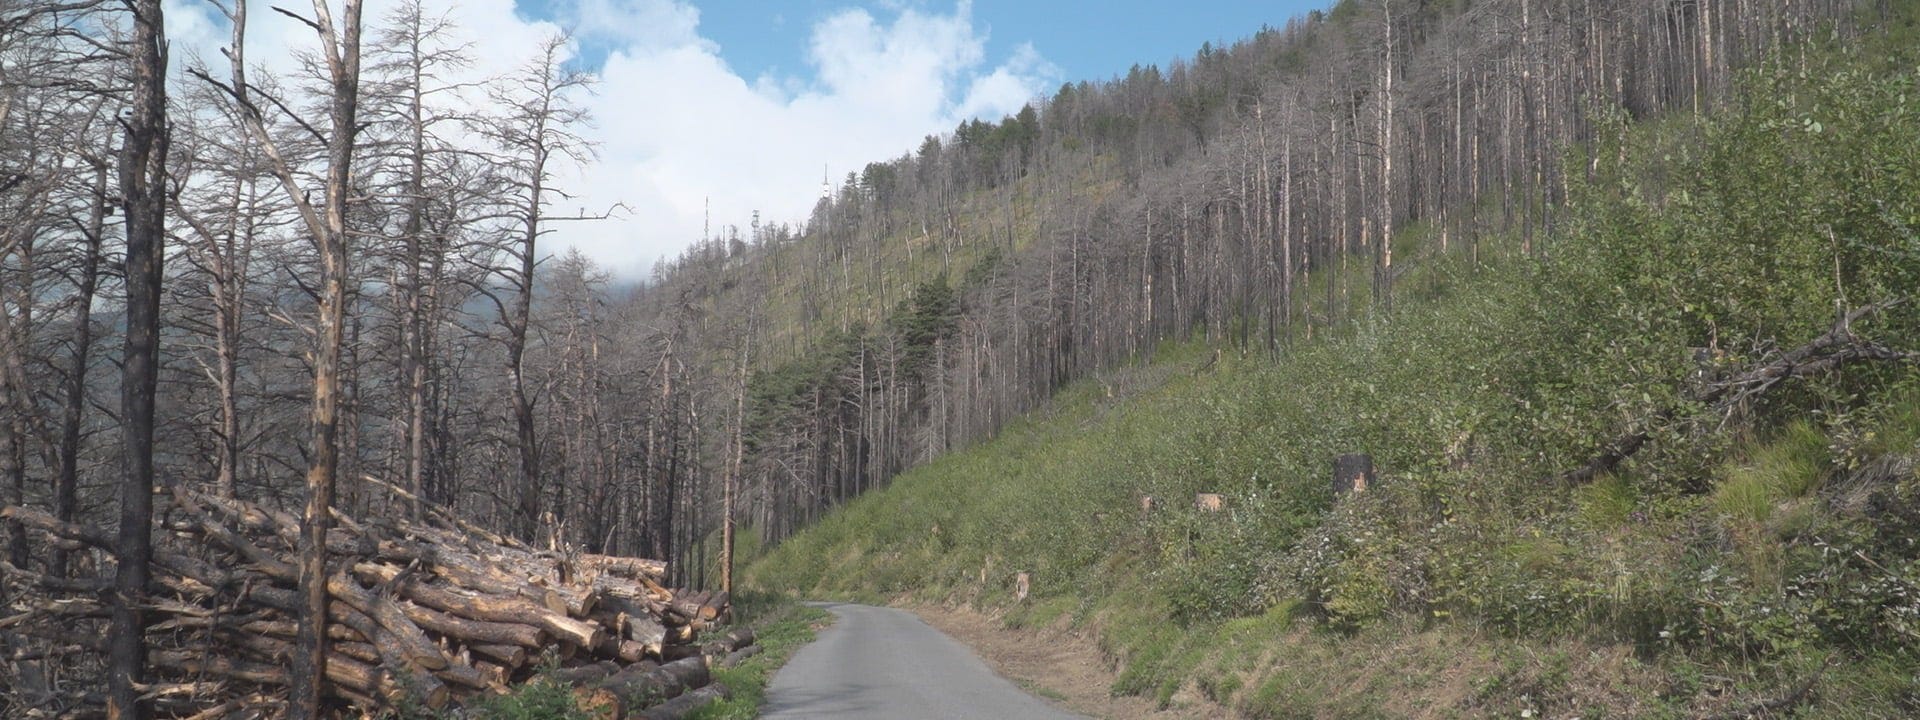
(1750,549)
(781,627)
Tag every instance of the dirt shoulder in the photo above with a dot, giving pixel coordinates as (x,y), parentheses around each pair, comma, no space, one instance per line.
(1053,663)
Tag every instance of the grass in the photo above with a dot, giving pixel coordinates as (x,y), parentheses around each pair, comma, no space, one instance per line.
(1590,603)
(1736,556)
(812,286)
(538,699)
(781,627)
(1043,691)
(1784,469)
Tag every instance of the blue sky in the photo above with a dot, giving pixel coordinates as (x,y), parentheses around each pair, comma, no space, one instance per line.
(711,111)
(708,112)
(1086,40)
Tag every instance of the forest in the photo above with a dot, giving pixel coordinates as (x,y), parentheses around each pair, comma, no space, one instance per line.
(1253,197)
(1652,458)
(298,291)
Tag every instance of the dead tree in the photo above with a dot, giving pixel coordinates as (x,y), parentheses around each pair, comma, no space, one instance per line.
(93,231)
(533,135)
(326,227)
(412,55)
(143,161)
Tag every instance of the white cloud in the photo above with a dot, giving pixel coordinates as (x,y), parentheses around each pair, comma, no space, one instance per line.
(1009,86)
(678,127)
(637,23)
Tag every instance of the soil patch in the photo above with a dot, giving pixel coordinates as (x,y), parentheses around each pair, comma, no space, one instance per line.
(1054,663)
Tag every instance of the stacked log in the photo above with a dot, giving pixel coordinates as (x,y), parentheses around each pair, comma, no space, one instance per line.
(423,614)
(655,691)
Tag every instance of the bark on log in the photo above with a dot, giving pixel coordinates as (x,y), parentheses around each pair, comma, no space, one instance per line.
(640,623)
(411,643)
(466,676)
(498,676)
(353,675)
(714,605)
(734,639)
(475,631)
(687,607)
(630,651)
(512,657)
(435,610)
(736,657)
(629,568)
(599,703)
(684,705)
(364,652)
(484,607)
(585,674)
(672,653)
(665,682)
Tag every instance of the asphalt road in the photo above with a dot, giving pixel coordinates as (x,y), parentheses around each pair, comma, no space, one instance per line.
(884,664)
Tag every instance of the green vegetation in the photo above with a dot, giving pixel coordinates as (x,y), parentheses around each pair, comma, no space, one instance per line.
(1751,549)
(539,699)
(807,299)
(781,628)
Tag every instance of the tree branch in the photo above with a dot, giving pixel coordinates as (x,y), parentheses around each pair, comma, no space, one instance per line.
(1828,352)
(298,18)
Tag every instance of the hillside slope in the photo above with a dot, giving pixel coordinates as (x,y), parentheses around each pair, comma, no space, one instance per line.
(1752,553)
(1258,195)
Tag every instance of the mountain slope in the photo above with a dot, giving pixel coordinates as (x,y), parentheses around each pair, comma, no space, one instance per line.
(1753,556)
(1258,195)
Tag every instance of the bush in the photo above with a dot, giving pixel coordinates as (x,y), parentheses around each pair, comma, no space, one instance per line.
(1697,247)
(540,699)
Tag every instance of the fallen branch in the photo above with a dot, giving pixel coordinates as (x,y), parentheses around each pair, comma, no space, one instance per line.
(1835,348)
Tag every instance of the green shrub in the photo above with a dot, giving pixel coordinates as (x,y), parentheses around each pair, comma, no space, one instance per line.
(539,699)
(1787,468)
(1695,248)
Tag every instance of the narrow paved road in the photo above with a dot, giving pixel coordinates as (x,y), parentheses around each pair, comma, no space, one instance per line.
(885,664)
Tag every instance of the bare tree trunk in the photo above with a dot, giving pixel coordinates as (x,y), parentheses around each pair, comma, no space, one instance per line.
(327,227)
(143,196)
(17,404)
(659,485)
(527,491)
(1386,157)
(343,63)
(731,488)
(1286,230)
(229,305)
(67,483)
(414,358)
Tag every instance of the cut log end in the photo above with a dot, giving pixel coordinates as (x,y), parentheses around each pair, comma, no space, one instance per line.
(425,615)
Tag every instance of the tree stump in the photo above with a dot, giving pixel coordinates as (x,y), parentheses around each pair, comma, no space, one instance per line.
(1022,582)
(1209,502)
(1146,504)
(1352,473)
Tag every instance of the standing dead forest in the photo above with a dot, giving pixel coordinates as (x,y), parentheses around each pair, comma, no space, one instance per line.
(331,294)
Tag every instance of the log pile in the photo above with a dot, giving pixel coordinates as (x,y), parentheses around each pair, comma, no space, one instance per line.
(424,614)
